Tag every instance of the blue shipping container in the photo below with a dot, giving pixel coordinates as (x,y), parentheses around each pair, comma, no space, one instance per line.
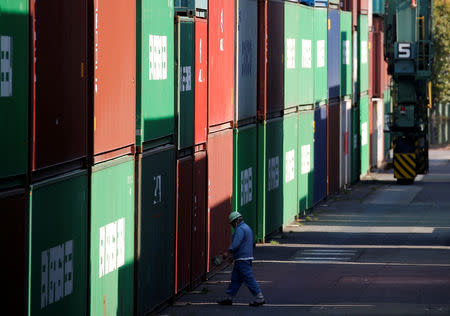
(334,75)
(316,3)
(378,7)
(320,153)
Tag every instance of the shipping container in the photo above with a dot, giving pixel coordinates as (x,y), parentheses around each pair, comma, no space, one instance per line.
(112,238)
(355,67)
(289,175)
(379,105)
(372,133)
(364,133)
(59,101)
(221,38)
(306,83)
(355,145)
(379,65)
(184,214)
(305,160)
(320,154)
(346,53)
(191,7)
(184,67)
(14,95)
(351,6)
(334,58)
(315,3)
(320,55)
(270,167)
(333,144)
(246,60)
(370,13)
(363,55)
(14,213)
(201,81)
(378,7)
(114,117)
(245,173)
(271,58)
(155,111)
(155,210)
(58,246)
(387,110)
(199,250)
(292,71)
(345,143)
(220,191)
(363,7)
(371,64)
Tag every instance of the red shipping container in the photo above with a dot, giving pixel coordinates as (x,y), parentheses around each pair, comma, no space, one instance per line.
(114,71)
(60,85)
(371,64)
(201,81)
(270,60)
(198,265)
(221,63)
(363,6)
(183,222)
(351,6)
(380,76)
(220,191)
(333,146)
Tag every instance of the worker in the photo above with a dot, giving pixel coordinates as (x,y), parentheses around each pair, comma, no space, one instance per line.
(241,250)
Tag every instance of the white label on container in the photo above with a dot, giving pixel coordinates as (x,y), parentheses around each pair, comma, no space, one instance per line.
(5,66)
(290,53)
(56,273)
(364,134)
(246,186)
(364,52)
(306,159)
(320,53)
(221,30)
(346,52)
(157,197)
(200,72)
(112,247)
(273,170)
(186,79)
(157,50)
(306,54)
(290,166)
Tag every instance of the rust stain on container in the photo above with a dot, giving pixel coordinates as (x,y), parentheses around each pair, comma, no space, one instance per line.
(201,80)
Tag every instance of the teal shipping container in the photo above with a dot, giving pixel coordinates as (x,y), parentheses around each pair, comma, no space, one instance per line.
(185,98)
(378,7)
(320,55)
(58,246)
(305,160)
(306,41)
(14,77)
(245,173)
(364,131)
(290,176)
(363,55)
(346,53)
(155,111)
(112,238)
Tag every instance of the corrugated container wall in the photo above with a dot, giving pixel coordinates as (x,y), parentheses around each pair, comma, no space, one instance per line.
(58,246)
(364,133)
(112,237)
(355,145)
(155,111)
(334,61)
(346,53)
(60,96)
(371,65)
(14,96)
(246,60)
(380,131)
(363,6)
(363,55)
(378,7)
(114,123)
(221,39)
(155,210)
(271,58)
(333,143)
(320,154)
(320,55)
(201,81)
(14,213)
(379,65)
(305,160)
(305,44)
(345,143)
(351,6)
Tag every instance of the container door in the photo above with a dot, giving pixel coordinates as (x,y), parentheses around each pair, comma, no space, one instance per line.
(380,133)
(364,134)
(349,126)
(346,53)
(334,77)
(290,175)
(363,55)
(320,55)
(306,86)
(356,145)
(201,81)
(333,147)
(305,160)
(320,154)
(292,55)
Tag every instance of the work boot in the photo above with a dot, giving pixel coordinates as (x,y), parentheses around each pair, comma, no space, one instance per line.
(258,301)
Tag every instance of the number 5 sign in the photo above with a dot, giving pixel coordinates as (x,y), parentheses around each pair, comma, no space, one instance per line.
(403,50)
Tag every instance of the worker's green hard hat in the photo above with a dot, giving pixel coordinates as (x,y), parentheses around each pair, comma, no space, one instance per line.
(234,216)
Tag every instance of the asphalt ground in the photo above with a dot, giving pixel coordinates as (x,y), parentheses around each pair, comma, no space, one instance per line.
(378,248)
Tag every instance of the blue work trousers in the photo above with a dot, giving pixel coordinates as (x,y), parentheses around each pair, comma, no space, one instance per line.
(242,272)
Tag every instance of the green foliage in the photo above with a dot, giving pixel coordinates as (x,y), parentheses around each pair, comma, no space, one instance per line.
(441,65)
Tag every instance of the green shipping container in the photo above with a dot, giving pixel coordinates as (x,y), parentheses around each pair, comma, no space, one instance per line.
(245,173)
(58,246)
(184,66)
(363,55)
(305,160)
(290,177)
(270,162)
(112,238)
(155,198)
(355,143)
(320,55)
(292,72)
(364,130)
(346,53)
(306,84)
(155,112)
(14,55)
